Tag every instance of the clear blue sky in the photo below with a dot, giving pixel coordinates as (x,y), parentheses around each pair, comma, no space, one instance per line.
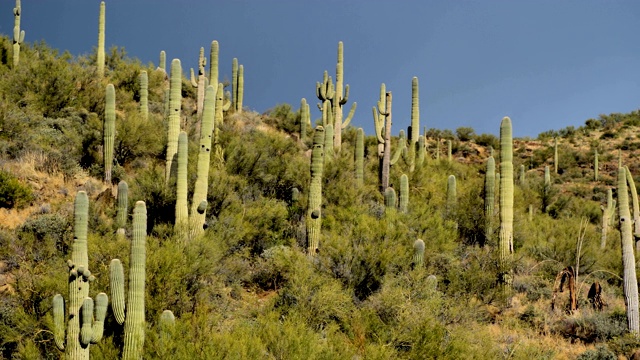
(545,63)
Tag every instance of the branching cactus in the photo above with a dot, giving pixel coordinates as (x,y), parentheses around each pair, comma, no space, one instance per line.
(418,254)
(109,131)
(338,97)
(390,199)
(182,210)
(314,211)
(380,115)
(204,159)
(123,203)
(100,55)
(401,149)
(506,197)
(404,193)
(175,105)
(489,197)
(630,286)
(132,315)
(82,330)
(359,157)
(144,94)
(18,35)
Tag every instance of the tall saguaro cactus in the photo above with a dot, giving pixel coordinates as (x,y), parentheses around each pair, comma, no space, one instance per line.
(338,98)
(305,118)
(100,55)
(314,211)
(175,104)
(18,35)
(506,195)
(109,131)
(182,210)
(162,64)
(452,197)
(383,115)
(204,159)
(132,315)
(630,286)
(237,85)
(213,64)
(200,83)
(595,165)
(404,193)
(489,197)
(123,203)
(555,155)
(634,202)
(359,157)
(82,330)
(144,94)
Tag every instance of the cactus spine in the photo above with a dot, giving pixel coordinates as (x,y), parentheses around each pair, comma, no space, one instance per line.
(123,202)
(182,211)
(100,55)
(337,97)
(489,197)
(18,35)
(144,95)
(79,335)
(314,211)
(418,254)
(506,196)
(109,131)
(404,193)
(630,285)
(359,157)
(204,159)
(175,103)
(134,323)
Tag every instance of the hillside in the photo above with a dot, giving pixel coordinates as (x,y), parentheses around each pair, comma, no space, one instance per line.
(246,287)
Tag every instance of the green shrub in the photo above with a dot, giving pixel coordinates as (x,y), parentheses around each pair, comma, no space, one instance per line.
(13,193)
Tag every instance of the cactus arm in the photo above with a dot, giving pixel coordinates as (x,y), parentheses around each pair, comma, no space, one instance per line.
(58,321)
(345,98)
(116,281)
(630,285)
(194,83)
(350,115)
(100,306)
(87,318)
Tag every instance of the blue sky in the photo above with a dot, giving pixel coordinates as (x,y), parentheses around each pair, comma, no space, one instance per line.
(547,64)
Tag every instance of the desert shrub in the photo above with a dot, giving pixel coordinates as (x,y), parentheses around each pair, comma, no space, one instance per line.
(283,118)
(488,140)
(13,193)
(601,352)
(465,133)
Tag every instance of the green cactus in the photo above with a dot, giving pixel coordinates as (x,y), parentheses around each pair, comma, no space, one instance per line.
(18,35)
(162,65)
(213,64)
(449,151)
(595,166)
(555,155)
(109,131)
(630,285)
(175,104)
(133,314)
(328,142)
(489,197)
(314,211)
(220,108)
(506,197)
(204,159)
(382,114)
(422,151)
(182,211)
(359,157)
(390,199)
(401,150)
(199,83)
(414,129)
(608,216)
(452,197)
(338,98)
(234,83)
(634,202)
(240,95)
(305,118)
(123,202)
(79,334)
(295,195)
(100,55)
(522,176)
(144,95)
(418,254)
(404,193)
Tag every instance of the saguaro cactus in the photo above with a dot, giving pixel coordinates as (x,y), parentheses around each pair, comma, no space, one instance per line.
(522,176)
(123,203)
(144,94)
(595,165)
(506,195)
(379,120)
(390,199)
(418,254)
(204,159)
(199,83)
(18,35)
(175,104)
(314,211)
(449,150)
(237,82)
(383,114)
(79,335)
(608,213)
(162,64)
(359,157)
(452,197)
(489,197)
(213,64)
(100,55)
(338,98)
(305,118)
(634,202)
(182,211)
(555,155)
(630,286)
(109,131)
(404,193)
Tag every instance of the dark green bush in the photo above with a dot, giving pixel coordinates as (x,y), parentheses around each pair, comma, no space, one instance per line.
(13,193)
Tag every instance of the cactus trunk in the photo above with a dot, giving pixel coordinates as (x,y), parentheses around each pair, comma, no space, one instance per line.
(489,197)
(109,131)
(314,211)
(175,104)
(182,210)
(144,95)
(100,55)
(630,286)
(506,197)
